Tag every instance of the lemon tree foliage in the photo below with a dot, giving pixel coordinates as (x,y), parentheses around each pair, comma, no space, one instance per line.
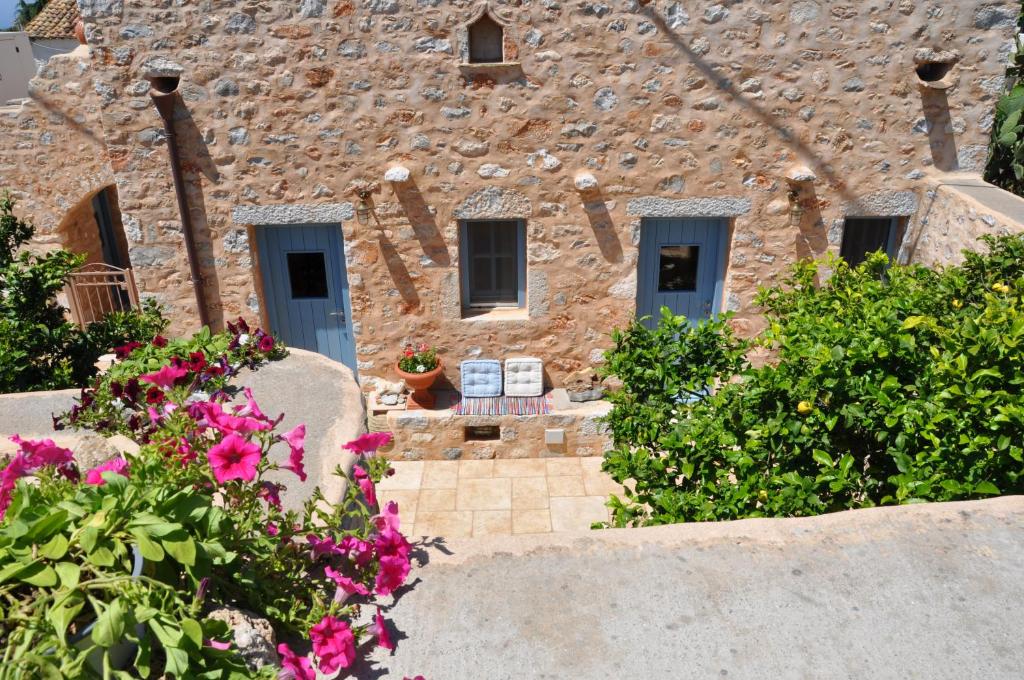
(884,385)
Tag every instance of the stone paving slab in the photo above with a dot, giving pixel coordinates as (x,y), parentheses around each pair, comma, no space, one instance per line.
(924,591)
(463,498)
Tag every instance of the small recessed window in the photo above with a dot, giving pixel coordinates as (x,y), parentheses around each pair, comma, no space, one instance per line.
(865,235)
(677,269)
(486,38)
(307,273)
(482,433)
(493,260)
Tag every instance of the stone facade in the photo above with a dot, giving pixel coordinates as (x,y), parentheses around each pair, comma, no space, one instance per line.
(604,113)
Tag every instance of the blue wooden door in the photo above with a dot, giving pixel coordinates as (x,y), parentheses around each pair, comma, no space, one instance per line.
(681,266)
(306,288)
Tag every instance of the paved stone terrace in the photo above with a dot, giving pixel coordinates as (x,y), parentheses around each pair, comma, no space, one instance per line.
(463,498)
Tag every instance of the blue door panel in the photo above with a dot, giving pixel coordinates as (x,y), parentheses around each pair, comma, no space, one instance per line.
(314,322)
(704,240)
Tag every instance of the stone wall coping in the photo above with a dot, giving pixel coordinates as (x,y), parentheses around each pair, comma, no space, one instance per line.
(293,213)
(701,206)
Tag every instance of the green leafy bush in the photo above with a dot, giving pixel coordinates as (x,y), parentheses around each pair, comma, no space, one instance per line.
(886,385)
(40,349)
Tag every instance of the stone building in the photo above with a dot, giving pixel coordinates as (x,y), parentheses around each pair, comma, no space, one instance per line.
(507,178)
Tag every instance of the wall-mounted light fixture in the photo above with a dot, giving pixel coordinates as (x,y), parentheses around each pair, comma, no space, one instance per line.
(799,178)
(363,208)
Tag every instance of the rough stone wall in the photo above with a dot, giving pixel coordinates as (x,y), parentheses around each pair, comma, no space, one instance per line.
(52,153)
(956,211)
(709,105)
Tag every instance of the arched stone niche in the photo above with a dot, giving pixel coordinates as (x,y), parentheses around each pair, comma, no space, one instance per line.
(475,36)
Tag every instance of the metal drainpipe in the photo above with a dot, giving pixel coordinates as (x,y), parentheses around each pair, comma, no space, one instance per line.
(163,91)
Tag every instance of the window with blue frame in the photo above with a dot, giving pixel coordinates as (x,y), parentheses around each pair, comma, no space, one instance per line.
(864,235)
(493,262)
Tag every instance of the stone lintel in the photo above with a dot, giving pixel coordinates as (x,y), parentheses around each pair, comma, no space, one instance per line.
(703,206)
(883,204)
(293,213)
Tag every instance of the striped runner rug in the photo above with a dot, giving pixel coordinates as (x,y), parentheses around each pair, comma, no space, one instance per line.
(503,406)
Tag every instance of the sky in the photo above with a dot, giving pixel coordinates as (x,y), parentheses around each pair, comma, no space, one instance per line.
(7,12)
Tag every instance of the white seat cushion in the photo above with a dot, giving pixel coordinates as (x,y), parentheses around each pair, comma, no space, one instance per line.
(524,377)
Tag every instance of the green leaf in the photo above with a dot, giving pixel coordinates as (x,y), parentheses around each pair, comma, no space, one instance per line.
(44,527)
(109,628)
(55,548)
(180,547)
(69,573)
(822,458)
(101,557)
(64,612)
(193,631)
(914,322)
(45,577)
(90,535)
(149,548)
(986,488)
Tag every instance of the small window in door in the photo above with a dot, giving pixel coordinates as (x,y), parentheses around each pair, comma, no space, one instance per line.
(486,38)
(865,235)
(493,260)
(307,274)
(677,269)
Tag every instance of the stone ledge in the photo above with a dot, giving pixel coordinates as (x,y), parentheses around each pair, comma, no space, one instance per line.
(293,213)
(883,204)
(704,206)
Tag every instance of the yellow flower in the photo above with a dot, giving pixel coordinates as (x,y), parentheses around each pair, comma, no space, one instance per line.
(804,407)
(1000,288)
(957,304)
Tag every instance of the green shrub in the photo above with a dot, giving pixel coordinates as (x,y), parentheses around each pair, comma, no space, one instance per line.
(886,385)
(40,349)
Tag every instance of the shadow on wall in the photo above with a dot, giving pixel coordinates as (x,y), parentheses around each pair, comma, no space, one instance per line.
(197,164)
(601,223)
(723,84)
(811,239)
(93,228)
(424,224)
(941,139)
(400,275)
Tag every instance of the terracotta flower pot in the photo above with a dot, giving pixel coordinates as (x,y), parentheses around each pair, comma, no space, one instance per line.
(419,383)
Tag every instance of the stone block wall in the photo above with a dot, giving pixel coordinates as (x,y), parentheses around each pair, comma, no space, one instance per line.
(957,210)
(680,107)
(53,155)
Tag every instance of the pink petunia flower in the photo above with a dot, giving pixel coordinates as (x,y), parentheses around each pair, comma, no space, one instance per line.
(271,493)
(323,546)
(379,629)
(365,485)
(217,644)
(392,574)
(272,529)
(32,455)
(95,475)
(357,550)
(388,517)
(346,586)
(234,458)
(391,542)
(293,666)
(333,644)
(251,408)
(368,443)
(296,438)
(214,416)
(166,376)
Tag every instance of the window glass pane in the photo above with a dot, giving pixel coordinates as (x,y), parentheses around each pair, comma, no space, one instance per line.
(492,262)
(677,268)
(485,38)
(863,235)
(307,273)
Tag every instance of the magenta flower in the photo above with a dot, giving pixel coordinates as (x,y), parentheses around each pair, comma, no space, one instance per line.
(234,458)
(251,408)
(368,443)
(296,439)
(357,550)
(166,376)
(391,542)
(95,475)
(293,666)
(381,631)
(346,586)
(392,573)
(272,529)
(366,485)
(271,493)
(322,546)
(214,416)
(388,517)
(333,644)
(217,644)
(33,455)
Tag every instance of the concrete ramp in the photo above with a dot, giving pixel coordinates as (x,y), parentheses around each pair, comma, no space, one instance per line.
(924,591)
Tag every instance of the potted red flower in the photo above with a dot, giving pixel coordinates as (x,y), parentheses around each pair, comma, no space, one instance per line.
(419,369)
